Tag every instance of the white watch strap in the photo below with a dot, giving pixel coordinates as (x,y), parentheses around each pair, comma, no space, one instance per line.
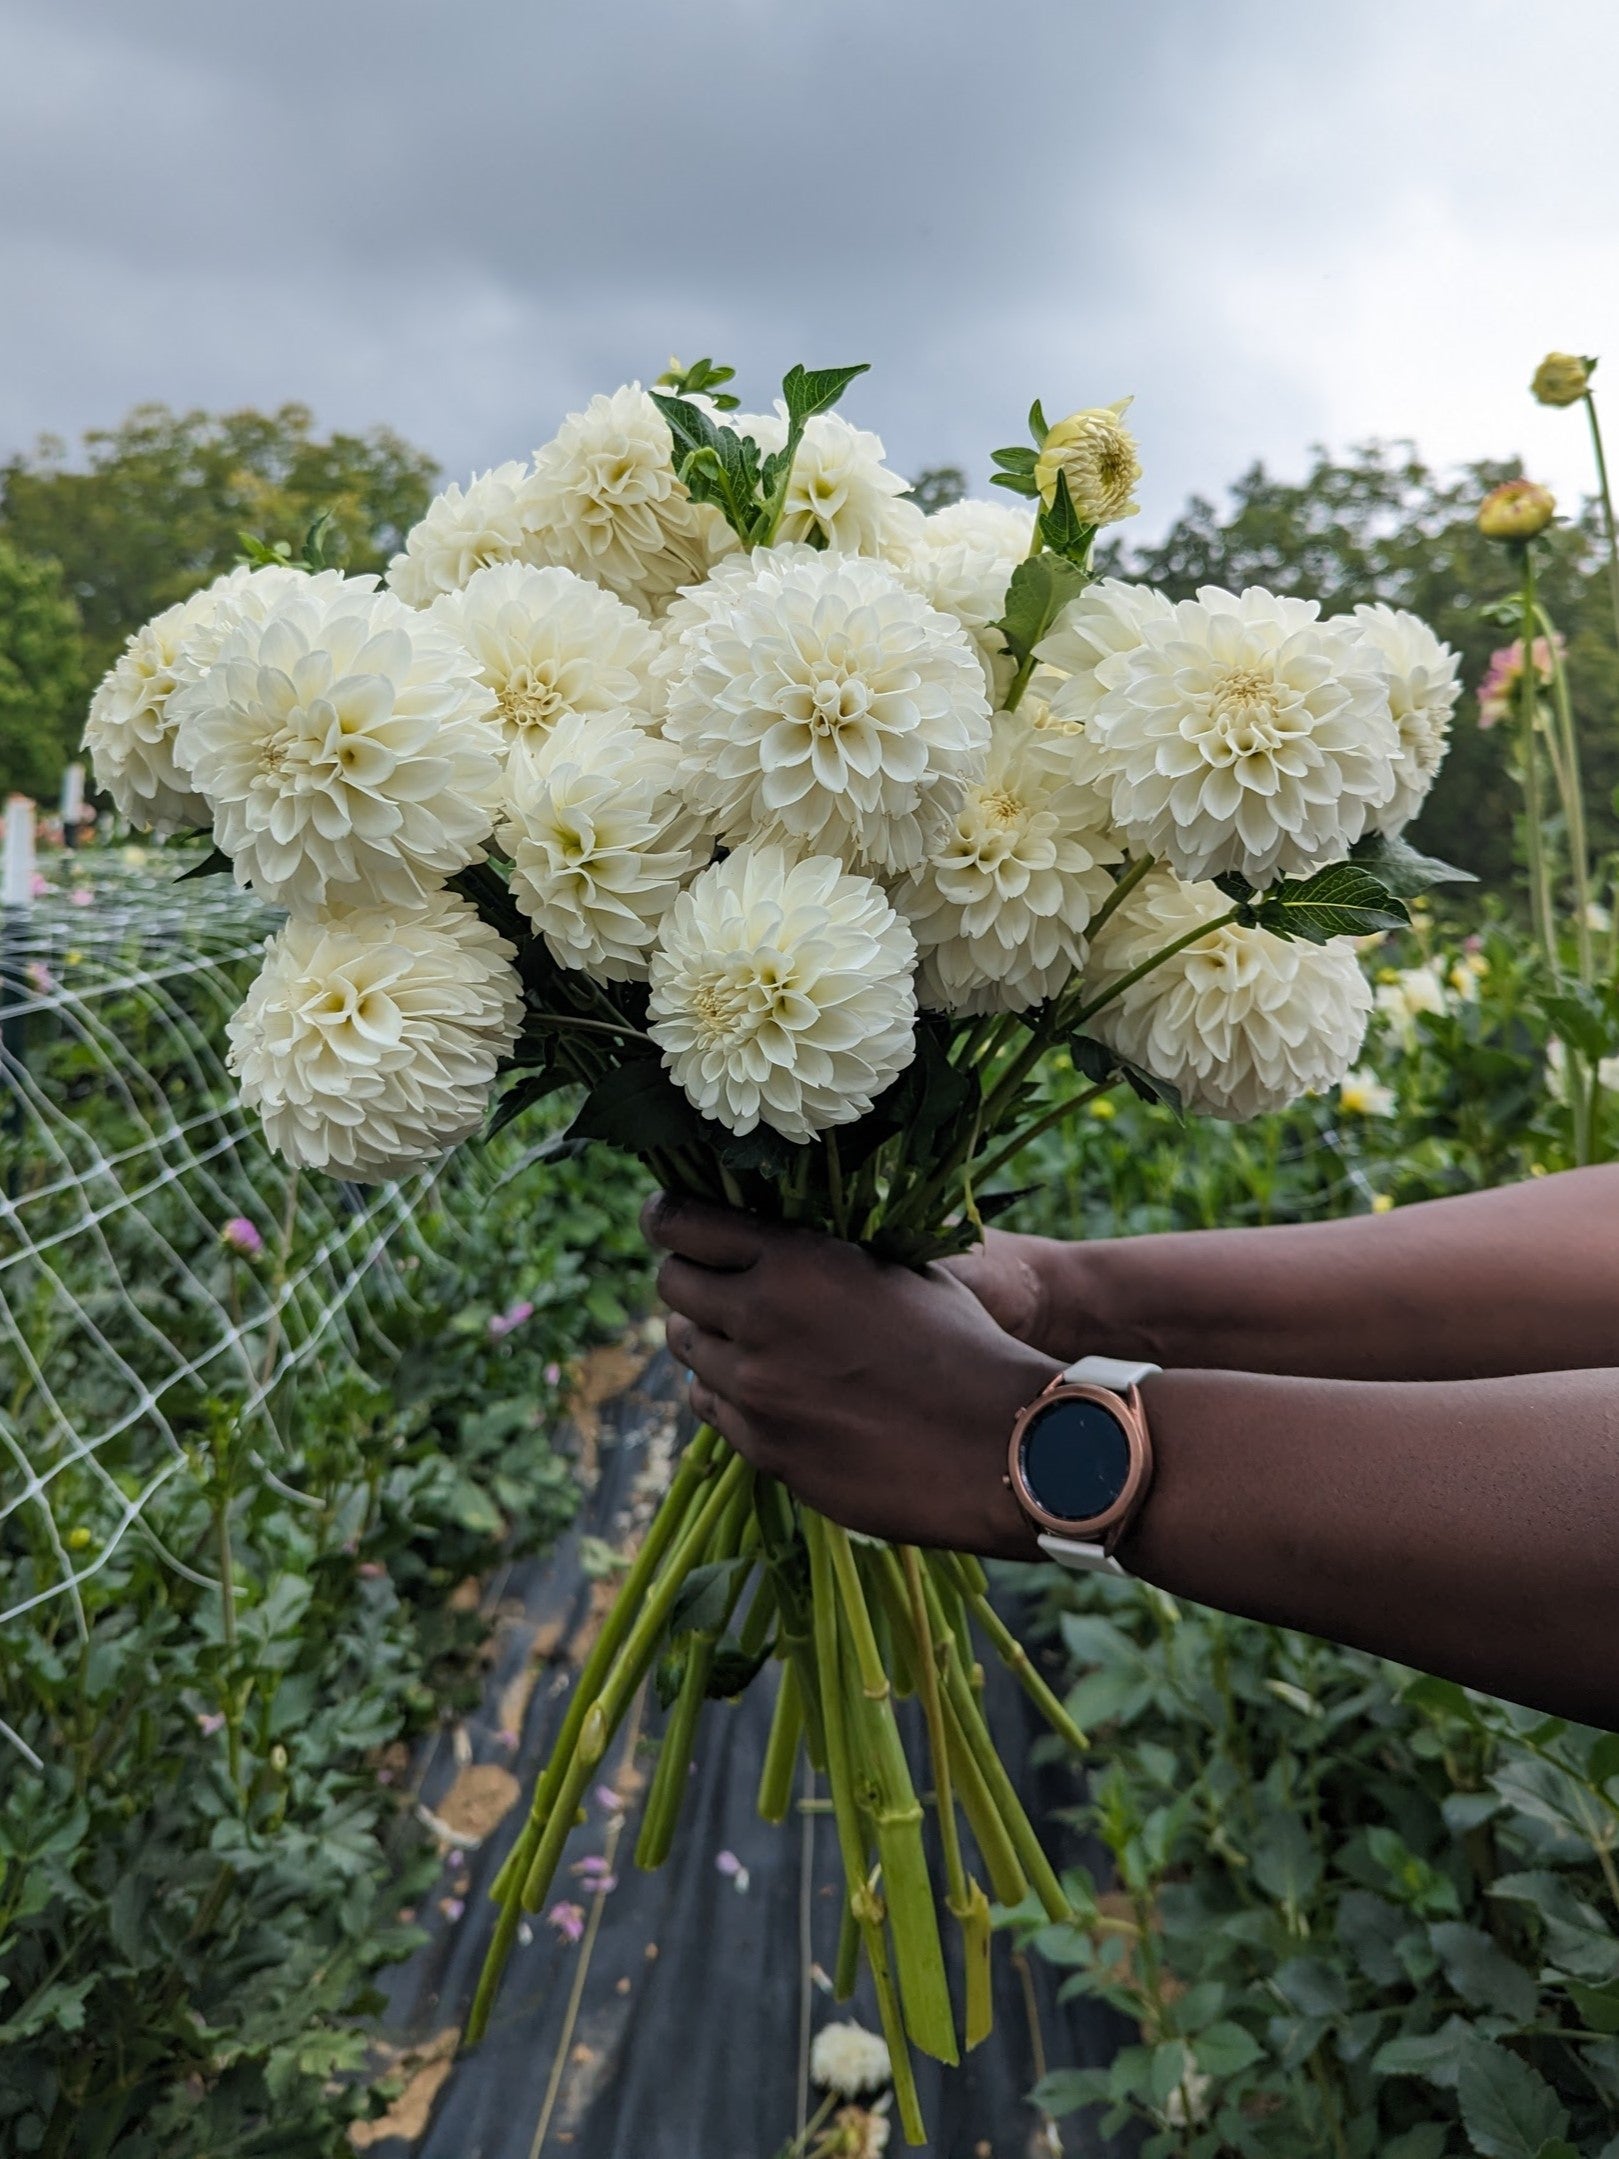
(1119,1375)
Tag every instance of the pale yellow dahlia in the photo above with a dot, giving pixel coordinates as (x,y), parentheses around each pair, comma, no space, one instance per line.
(1096,453)
(465,530)
(840,493)
(1423,689)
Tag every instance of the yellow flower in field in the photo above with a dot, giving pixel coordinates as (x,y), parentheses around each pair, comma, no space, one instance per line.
(1104,1109)
(1516,510)
(1382,1203)
(1562,378)
(79,1540)
(1096,453)
(1362,1094)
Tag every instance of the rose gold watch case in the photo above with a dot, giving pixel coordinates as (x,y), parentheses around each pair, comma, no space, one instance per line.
(1110,1525)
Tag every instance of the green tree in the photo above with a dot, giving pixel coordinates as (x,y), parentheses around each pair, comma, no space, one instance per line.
(155,505)
(1382,525)
(43,679)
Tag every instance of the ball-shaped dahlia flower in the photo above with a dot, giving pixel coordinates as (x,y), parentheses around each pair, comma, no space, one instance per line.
(344,747)
(821,702)
(1001,526)
(1240,1021)
(370,1040)
(1423,687)
(966,578)
(782,993)
(464,530)
(840,493)
(600,841)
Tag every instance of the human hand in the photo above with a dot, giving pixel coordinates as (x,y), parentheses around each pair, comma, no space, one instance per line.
(884,1397)
(1011,1276)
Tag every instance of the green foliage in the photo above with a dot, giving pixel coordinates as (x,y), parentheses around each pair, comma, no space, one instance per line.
(158,505)
(722,466)
(43,677)
(937,486)
(1380,524)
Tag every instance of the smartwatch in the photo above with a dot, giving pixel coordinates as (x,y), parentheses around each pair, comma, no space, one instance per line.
(1081,1461)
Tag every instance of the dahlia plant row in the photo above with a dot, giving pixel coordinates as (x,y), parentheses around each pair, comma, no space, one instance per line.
(816,842)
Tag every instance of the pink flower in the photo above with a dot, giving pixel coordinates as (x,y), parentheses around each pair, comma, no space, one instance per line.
(210,1721)
(40,977)
(39,884)
(452,1908)
(242,1237)
(1499,692)
(553,1375)
(372,1570)
(729,1864)
(596,1877)
(507,1739)
(569,1920)
(81,896)
(608,1800)
(504,1323)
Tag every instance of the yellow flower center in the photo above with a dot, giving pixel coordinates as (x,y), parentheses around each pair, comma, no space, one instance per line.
(529,699)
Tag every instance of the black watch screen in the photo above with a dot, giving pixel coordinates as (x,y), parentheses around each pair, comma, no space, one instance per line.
(1075,1458)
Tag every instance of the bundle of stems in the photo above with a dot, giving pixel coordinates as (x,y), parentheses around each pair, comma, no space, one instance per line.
(854,1626)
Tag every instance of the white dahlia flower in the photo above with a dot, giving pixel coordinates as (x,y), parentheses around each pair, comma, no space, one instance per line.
(130,731)
(1001,908)
(253,596)
(549,643)
(782,993)
(840,493)
(1001,526)
(607,504)
(825,704)
(1423,688)
(465,530)
(345,749)
(967,579)
(1241,1021)
(849,2060)
(370,1040)
(600,841)
(1242,733)
(1108,617)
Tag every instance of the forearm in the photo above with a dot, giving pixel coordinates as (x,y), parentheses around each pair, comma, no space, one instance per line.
(1471,1528)
(1524,1279)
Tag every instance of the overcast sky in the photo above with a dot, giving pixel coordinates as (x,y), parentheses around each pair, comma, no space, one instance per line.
(1275,224)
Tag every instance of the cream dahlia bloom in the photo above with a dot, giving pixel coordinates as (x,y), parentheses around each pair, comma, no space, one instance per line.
(253,596)
(1242,733)
(1001,909)
(344,747)
(1001,526)
(966,578)
(607,504)
(549,643)
(1241,1021)
(1108,617)
(782,993)
(600,841)
(1362,1094)
(849,2060)
(1096,454)
(370,1040)
(840,493)
(1423,690)
(823,703)
(130,731)
(464,530)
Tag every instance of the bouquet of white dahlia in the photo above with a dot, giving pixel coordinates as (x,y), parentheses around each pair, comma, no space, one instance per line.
(688,766)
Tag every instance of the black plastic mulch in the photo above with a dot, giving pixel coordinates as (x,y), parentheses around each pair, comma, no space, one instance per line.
(686,2039)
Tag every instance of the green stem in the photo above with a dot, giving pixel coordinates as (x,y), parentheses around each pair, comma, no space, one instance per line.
(781,1749)
(1572,787)
(1605,497)
(1117,897)
(1054,1115)
(1540,894)
(1018,1661)
(1128,981)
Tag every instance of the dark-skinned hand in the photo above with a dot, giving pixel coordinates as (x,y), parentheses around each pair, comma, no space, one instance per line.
(884,1397)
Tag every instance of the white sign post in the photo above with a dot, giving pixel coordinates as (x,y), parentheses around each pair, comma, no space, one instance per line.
(17,869)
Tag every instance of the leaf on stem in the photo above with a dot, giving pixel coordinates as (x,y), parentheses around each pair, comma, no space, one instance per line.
(1040,589)
(808,391)
(1344,900)
(637,1106)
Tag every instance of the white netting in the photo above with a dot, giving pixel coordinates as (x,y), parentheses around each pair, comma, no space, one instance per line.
(123,1156)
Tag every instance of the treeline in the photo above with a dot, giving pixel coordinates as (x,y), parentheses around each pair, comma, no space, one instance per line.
(154,508)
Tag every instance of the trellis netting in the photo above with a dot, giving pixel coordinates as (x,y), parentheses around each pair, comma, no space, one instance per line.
(157,1264)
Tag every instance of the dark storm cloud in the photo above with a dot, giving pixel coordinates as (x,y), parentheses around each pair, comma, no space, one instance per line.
(465,219)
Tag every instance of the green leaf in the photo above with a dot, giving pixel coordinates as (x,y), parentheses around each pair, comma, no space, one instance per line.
(734,1670)
(1400,869)
(1314,1987)
(1599,2006)
(213,864)
(808,391)
(637,1106)
(1037,424)
(1482,1973)
(1583,1021)
(1225,2049)
(704,1596)
(1061,527)
(529,1088)
(1344,900)
(1286,1864)
(1508,2109)
(690,426)
(1602,1766)
(1426,2141)
(1040,589)
(1436,2057)
(1017,483)
(1060,2091)
(1016,459)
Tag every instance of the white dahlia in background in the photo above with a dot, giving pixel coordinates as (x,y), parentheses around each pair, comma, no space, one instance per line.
(344,747)
(849,2060)
(967,578)
(1000,526)
(1423,690)
(600,841)
(1001,909)
(549,643)
(1243,733)
(464,530)
(370,1040)
(840,494)
(607,504)
(823,703)
(253,596)
(1108,617)
(1241,1021)
(130,731)
(782,993)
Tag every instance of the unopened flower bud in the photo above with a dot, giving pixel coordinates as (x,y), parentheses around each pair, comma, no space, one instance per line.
(241,1236)
(1562,378)
(1096,454)
(1516,510)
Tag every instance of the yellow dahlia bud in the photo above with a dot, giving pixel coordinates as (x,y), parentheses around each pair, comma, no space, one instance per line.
(1516,510)
(1562,378)
(1097,453)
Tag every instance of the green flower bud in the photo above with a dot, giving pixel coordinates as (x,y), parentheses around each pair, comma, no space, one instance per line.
(1562,378)
(1516,510)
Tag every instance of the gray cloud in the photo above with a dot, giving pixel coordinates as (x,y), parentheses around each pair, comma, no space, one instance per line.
(1271,224)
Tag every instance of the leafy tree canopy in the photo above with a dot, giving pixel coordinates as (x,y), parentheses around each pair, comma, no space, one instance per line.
(43,681)
(154,507)
(1382,525)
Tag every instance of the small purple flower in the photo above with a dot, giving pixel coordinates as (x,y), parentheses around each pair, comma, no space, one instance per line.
(596,1877)
(210,1721)
(608,1800)
(729,1864)
(242,1237)
(569,1921)
(553,1375)
(507,1739)
(452,1908)
(503,1323)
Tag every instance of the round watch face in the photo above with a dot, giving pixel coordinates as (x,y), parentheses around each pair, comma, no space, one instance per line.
(1075,1458)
